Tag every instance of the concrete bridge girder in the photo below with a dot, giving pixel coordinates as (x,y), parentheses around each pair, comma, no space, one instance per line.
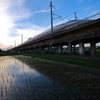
(87,33)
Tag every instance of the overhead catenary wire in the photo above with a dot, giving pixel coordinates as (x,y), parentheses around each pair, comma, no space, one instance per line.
(39,17)
(44,19)
(47,17)
(64,4)
(68,27)
(81,8)
(77,10)
(90,13)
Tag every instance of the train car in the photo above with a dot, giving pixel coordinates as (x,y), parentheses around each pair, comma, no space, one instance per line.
(56,29)
(68,25)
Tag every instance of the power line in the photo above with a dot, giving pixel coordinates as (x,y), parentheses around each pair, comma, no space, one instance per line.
(83,7)
(90,12)
(78,22)
(48,15)
(76,6)
(40,18)
(44,20)
(63,4)
(67,15)
(70,14)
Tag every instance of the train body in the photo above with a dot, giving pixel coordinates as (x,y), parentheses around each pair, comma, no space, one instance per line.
(65,26)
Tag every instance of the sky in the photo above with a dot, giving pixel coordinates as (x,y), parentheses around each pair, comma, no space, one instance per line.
(31,17)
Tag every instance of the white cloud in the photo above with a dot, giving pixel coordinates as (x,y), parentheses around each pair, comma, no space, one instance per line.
(42,11)
(10,12)
(27,33)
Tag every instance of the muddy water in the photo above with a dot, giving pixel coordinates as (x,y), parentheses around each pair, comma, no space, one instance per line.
(19,81)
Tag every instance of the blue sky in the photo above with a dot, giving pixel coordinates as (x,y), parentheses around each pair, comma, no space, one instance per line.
(31,17)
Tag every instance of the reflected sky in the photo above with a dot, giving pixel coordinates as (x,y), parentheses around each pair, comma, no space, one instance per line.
(18,81)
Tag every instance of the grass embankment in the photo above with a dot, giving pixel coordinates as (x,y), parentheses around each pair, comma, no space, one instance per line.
(8,53)
(86,62)
(91,63)
(78,77)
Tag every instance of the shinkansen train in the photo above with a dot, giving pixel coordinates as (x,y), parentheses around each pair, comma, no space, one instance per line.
(65,26)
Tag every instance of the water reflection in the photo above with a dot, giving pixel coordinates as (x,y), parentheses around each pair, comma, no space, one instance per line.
(20,82)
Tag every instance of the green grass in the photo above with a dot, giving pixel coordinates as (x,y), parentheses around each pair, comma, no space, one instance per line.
(91,63)
(97,50)
(87,62)
(8,53)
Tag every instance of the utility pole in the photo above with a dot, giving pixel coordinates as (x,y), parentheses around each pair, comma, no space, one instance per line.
(75,15)
(58,17)
(51,19)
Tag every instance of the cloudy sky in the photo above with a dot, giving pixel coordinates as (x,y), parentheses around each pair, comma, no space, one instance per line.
(31,17)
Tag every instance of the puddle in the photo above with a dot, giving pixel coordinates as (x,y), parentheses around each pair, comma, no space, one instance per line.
(19,81)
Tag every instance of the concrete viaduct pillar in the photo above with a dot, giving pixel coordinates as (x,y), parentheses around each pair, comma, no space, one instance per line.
(70,48)
(39,49)
(43,49)
(28,49)
(92,47)
(50,49)
(47,48)
(81,47)
(54,48)
(74,49)
(59,48)
(34,49)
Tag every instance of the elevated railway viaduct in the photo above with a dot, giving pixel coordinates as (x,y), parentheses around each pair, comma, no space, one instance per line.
(79,33)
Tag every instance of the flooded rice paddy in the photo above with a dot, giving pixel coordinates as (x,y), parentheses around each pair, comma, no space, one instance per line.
(19,81)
